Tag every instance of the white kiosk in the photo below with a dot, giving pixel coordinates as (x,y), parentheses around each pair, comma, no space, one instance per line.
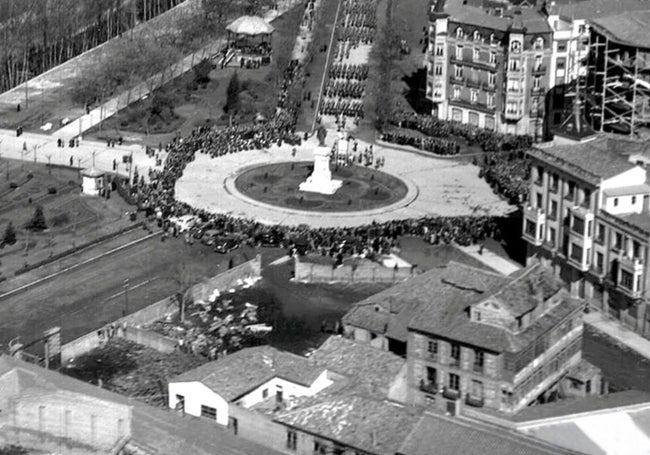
(93,182)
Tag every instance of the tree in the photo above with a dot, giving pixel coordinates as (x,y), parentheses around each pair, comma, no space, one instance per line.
(186,277)
(232,94)
(10,234)
(37,223)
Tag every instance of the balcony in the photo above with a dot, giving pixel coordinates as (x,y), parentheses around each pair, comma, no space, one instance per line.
(428,387)
(474,401)
(474,64)
(630,276)
(539,70)
(474,83)
(533,229)
(539,91)
(632,265)
(451,394)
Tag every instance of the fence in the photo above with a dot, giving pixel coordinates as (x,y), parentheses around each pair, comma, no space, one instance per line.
(364,271)
(128,326)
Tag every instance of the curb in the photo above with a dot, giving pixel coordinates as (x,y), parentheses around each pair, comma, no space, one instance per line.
(72,267)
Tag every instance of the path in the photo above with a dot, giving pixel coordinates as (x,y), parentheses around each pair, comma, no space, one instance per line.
(492,260)
(619,332)
(436,187)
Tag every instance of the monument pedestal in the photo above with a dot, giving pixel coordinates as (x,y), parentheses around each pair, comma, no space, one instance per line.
(320,181)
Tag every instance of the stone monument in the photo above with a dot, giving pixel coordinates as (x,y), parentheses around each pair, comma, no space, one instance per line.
(320,181)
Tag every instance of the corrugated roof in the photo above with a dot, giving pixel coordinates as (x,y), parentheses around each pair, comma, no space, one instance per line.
(627,190)
(630,27)
(236,374)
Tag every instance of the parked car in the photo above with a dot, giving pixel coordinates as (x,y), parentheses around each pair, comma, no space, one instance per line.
(210,236)
(226,245)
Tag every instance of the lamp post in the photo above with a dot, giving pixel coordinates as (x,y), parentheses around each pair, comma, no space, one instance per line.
(125,311)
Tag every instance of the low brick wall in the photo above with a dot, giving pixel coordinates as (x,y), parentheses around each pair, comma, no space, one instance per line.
(365,271)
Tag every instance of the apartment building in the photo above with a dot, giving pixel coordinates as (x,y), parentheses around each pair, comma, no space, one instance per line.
(489,67)
(588,218)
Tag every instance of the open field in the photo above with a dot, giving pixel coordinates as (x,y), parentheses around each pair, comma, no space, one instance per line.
(92,295)
(72,218)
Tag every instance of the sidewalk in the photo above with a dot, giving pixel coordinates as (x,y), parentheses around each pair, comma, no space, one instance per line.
(490,259)
(620,333)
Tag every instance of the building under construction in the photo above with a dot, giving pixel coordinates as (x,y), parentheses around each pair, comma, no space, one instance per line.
(618,74)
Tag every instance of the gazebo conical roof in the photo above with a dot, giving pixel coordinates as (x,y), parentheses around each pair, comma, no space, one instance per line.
(250,25)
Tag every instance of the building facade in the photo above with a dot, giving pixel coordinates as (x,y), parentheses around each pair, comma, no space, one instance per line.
(502,350)
(488,67)
(587,217)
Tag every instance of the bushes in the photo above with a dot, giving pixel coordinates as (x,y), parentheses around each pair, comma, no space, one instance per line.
(37,223)
(10,234)
(51,190)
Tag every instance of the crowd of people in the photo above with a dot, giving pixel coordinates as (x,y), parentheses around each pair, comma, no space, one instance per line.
(434,145)
(344,89)
(348,71)
(157,199)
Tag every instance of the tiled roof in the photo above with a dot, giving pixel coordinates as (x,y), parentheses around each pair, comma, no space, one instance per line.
(365,423)
(519,295)
(582,405)
(600,158)
(639,220)
(439,434)
(373,368)
(627,190)
(236,374)
(531,19)
(391,310)
(629,27)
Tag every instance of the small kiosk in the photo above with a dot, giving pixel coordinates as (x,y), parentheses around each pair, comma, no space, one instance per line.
(93,182)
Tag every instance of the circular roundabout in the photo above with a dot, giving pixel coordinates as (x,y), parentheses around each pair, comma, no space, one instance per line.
(362,189)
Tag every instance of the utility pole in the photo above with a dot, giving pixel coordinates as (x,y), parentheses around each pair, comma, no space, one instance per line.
(126,298)
(49,164)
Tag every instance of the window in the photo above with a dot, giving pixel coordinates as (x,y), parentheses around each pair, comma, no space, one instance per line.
(477,389)
(540,174)
(234,424)
(477,315)
(571,191)
(493,39)
(458,71)
(515,47)
(511,108)
(636,249)
(627,280)
(292,440)
(588,386)
(473,94)
(633,200)
(599,262)
(539,200)
(455,354)
(456,93)
(208,412)
(432,375)
(460,33)
(459,52)
(180,403)
(618,241)
(490,100)
(615,202)
(561,63)
(432,347)
(493,58)
(477,35)
(581,29)
(492,79)
(551,236)
(576,252)
(553,214)
(278,394)
(454,382)
(476,55)
(265,393)
(600,232)
(539,43)
(537,83)
(555,182)
(578,225)
(538,62)
(513,64)
(440,50)
(437,70)
(479,360)
(561,46)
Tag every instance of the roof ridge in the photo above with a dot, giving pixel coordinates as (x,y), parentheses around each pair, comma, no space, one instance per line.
(467,266)
(526,273)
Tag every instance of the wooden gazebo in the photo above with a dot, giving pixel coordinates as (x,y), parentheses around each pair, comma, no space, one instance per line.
(250,38)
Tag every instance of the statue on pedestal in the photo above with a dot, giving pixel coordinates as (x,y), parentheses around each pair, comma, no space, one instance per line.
(320,181)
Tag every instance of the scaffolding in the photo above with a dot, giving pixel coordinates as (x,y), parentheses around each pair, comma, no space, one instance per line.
(619,78)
